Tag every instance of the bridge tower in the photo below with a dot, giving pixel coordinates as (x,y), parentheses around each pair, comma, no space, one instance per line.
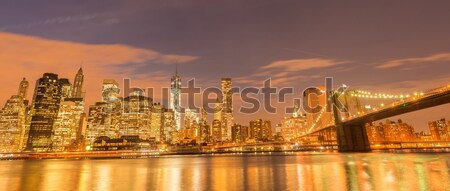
(350,138)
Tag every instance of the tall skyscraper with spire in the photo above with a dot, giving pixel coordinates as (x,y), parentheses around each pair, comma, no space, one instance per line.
(175,98)
(23,88)
(77,89)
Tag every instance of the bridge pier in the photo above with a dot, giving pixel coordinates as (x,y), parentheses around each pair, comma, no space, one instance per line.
(352,138)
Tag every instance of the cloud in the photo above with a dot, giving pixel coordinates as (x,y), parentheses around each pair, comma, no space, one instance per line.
(56,21)
(31,56)
(442,57)
(286,72)
(67,19)
(302,64)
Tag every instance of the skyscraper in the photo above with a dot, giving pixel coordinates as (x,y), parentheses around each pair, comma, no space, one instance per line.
(77,89)
(169,128)
(227,108)
(191,120)
(46,100)
(227,101)
(175,98)
(13,124)
(67,124)
(217,111)
(23,88)
(216,131)
(135,118)
(66,88)
(110,90)
(156,129)
(204,128)
(104,117)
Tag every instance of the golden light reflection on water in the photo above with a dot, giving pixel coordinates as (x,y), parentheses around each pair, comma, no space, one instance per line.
(301,171)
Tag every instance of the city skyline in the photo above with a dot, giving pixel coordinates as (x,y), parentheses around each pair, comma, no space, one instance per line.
(126,41)
(423,125)
(225,95)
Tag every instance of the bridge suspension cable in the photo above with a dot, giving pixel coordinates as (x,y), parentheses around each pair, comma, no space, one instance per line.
(371,95)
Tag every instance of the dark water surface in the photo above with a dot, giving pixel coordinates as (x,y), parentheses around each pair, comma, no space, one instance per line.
(276,171)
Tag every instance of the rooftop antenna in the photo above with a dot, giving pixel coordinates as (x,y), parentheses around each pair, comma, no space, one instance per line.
(176,68)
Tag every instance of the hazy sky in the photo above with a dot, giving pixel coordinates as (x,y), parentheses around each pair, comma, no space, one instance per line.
(381,46)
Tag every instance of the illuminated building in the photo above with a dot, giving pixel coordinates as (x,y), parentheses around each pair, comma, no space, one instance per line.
(375,133)
(175,98)
(260,130)
(227,108)
(278,129)
(169,127)
(98,122)
(135,116)
(66,88)
(110,91)
(104,117)
(440,130)
(322,118)
(204,128)
(217,115)
(130,142)
(190,117)
(13,124)
(156,122)
(294,126)
(77,89)
(23,88)
(239,133)
(14,121)
(205,133)
(191,124)
(398,131)
(46,100)
(216,131)
(68,124)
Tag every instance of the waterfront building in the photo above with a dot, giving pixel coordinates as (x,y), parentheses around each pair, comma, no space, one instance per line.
(375,133)
(13,124)
(136,115)
(68,124)
(440,130)
(260,130)
(398,131)
(293,127)
(46,100)
(239,133)
(104,117)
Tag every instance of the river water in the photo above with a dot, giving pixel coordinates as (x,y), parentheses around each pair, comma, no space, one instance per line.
(275,171)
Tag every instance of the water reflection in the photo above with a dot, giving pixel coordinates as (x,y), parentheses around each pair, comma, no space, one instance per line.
(300,171)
